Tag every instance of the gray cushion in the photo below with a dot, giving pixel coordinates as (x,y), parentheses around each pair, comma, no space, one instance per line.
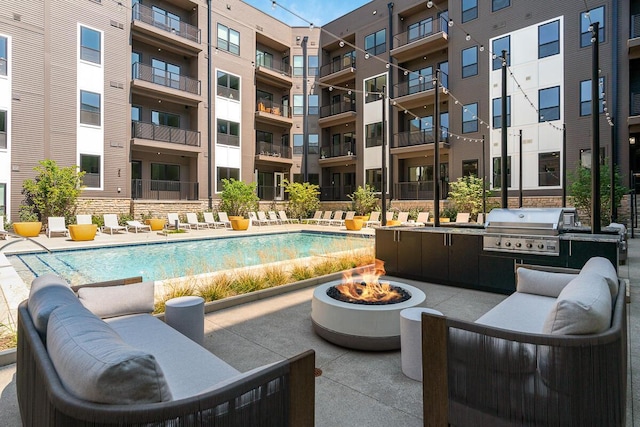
(47,293)
(95,364)
(111,301)
(519,312)
(603,267)
(542,282)
(583,307)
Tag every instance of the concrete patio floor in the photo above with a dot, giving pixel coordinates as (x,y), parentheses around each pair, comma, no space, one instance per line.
(355,388)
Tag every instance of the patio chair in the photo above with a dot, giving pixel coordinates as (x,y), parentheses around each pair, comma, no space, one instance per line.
(224,218)
(174,221)
(111,223)
(211,222)
(55,224)
(462,218)
(390,216)
(374,219)
(192,220)
(422,219)
(262,217)
(83,219)
(316,217)
(3,232)
(274,218)
(254,220)
(403,217)
(137,225)
(326,218)
(285,220)
(480,219)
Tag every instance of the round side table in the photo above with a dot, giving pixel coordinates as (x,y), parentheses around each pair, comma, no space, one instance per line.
(186,315)
(411,340)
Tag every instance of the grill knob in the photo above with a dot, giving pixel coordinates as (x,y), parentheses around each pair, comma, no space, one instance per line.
(498,243)
(540,246)
(508,244)
(529,245)
(518,245)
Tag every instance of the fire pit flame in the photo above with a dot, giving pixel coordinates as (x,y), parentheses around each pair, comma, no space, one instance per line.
(366,288)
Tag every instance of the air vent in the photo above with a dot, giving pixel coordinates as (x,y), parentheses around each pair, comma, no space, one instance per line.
(117,85)
(528,15)
(259,28)
(527,78)
(116,24)
(313,43)
(17,17)
(499,25)
(16,97)
(527,141)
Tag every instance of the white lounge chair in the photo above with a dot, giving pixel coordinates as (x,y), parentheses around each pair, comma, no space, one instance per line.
(374,219)
(262,217)
(285,220)
(462,218)
(403,217)
(55,224)
(211,222)
(192,220)
(326,218)
(3,232)
(421,221)
(274,218)
(111,223)
(174,220)
(480,219)
(137,225)
(316,217)
(224,218)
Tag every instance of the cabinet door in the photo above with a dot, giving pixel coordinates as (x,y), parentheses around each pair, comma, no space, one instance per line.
(579,252)
(497,274)
(435,257)
(409,253)
(387,250)
(463,259)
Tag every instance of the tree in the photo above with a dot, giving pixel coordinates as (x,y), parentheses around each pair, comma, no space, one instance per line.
(466,193)
(53,192)
(364,200)
(238,197)
(303,198)
(580,190)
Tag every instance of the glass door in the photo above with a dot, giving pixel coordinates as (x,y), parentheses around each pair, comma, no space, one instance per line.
(278,179)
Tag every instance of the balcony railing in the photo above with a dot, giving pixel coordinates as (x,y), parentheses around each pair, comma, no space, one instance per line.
(344,149)
(226,139)
(337,108)
(274,65)
(269,192)
(267,106)
(91,180)
(414,190)
(635,26)
(335,66)
(264,148)
(229,93)
(165,134)
(635,104)
(419,137)
(421,31)
(334,193)
(417,85)
(154,189)
(3,66)
(165,23)
(165,78)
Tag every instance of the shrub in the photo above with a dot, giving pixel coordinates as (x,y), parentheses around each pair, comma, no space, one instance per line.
(363,200)
(466,194)
(238,198)
(303,198)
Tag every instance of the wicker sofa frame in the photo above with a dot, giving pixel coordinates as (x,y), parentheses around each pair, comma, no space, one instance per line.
(43,400)
(588,375)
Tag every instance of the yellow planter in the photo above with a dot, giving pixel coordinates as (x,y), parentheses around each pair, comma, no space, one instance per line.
(239,223)
(155,223)
(27,229)
(354,224)
(82,232)
(393,222)
(364,218)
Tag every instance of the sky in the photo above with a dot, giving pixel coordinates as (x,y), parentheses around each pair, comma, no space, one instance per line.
(319,12)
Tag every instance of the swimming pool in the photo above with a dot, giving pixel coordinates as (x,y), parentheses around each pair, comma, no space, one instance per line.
(164,260)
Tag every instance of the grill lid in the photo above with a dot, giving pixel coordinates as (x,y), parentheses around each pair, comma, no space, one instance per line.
(545,221)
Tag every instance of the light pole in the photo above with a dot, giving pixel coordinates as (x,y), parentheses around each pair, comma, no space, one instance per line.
(436,153)
(383,181)
(305,115)
(504,182)
(209,143)
(595,132)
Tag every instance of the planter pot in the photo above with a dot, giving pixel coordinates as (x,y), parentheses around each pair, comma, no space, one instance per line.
(354,224)
(235,217)
(364,218)
(82,232)
(239,223)
(155,223)
(27,229)
(393,223)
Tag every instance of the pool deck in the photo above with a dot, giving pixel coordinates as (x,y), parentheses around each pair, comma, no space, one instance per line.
(356,388)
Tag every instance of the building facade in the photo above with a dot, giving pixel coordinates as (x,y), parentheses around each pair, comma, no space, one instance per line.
(155,105)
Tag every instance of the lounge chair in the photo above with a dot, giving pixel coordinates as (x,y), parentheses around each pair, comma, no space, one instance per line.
(55,224)
(224,218)
(192,220)
(3,232)
(83,219)
(137,225)
(210,220)
(480,219)
(174,221)
(285,220)
(316,217)
(274,218)
(326,218)
(374,219)
(422,219)
(462,218)
(262,217)
(254,220)
(111,223)
(403,217)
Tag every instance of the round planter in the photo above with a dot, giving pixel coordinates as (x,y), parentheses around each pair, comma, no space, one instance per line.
(27,229)
(82,232)
(239,223)
(364,218)
(393,223)
(354,224)
(155,223)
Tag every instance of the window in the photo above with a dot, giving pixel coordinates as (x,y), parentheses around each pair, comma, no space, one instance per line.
(585,157)
(314,178)
(420,29)
(470,62)
(497,175)
(228,85)
(165,20)
(264,59)
(265,137)
(3,130)
(91,166)
(374,178)
(373,87)
(165,119)
(470,118)
(3,199)
(313,104)
(549,39)
(470,167)
(228,133)
(298,65)
(444,126)
(549,169)
(469,10)
(3,56)
(376,43)
(586,19)
(497,112)
(314,143)
(444,73)
(585,97)
(228,39)
(373,134)
(136,113)
(421,80)
(313,65)
(225,173)
(165,73)
(498,45)
(298,104)
(298,143)
(496,5)
(549,104)
(90,45)
(90,108)
(420,173)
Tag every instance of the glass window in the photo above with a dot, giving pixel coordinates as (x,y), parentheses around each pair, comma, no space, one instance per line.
(313,104)
(165,20)
(586,19)
(469,10)
(444,126)
(165,119)
(90,108)
(470,167)
(298,65)
(264,59)
(90,45)
(298,142)
(585,157)
(585,97)
(549,169)
(314,143)
(298,104)
(373,87)
(225,173)
(549,102)
(165,73)
(136,113)
(228,39)
(3,199)
(549,39)
(91,166)
(313,65)
(3,130)
(376,43)
(374,178)
(420,173)
(373,134)
(420,29)
(262,136)
(497,175)
(497,112)
(421,80)
(3,56)
(228,133)
(470,61)
(499,4)
(228,85)
(444,73)
(470,118)
(498,45)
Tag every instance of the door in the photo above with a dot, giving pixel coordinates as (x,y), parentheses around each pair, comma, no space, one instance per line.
(136,179)
(335,185)
(278,191)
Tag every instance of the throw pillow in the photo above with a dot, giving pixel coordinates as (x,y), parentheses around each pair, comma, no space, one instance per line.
(113,301)
(603,267)
(542,282)
(47,293)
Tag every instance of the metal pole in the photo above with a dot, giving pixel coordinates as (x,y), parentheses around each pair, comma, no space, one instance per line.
(305,116)
(520,173)
(503,121)
(612,194)
(436,154)
(209,139)
(484,178)
(595,133)
(564,165)
(383,180)
(390,93)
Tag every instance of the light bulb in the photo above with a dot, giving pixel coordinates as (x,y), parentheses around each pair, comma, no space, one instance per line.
(366,56)
(406,72)
(311,26)
(481,48)
(341,43)
(330,88)
(468,37)
(387,65)
(273,5)
(429,4)
(451,22)
(349,92)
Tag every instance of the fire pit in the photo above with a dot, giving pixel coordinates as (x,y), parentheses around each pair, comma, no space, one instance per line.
(361,312)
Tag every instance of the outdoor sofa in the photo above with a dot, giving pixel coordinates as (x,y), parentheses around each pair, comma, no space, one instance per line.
(551,354)
(75,369)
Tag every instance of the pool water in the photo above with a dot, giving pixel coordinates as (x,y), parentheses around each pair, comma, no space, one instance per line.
(159,261)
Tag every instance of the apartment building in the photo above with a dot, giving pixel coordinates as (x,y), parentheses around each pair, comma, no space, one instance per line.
(121,89)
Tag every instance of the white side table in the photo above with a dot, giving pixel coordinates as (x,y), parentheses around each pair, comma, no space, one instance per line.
(411,340)
(186,315)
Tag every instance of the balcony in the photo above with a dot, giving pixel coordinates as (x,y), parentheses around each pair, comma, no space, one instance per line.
(153,189)
(337,113)
(413,190)
(634,112)
(421,41)
(633,44)
(273,72)
(415,93)
(179,88)
(338,155)
(273,113)
(417,140)
(339,71)
(335,193)
(172,34)
(268,152)
(157,136)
